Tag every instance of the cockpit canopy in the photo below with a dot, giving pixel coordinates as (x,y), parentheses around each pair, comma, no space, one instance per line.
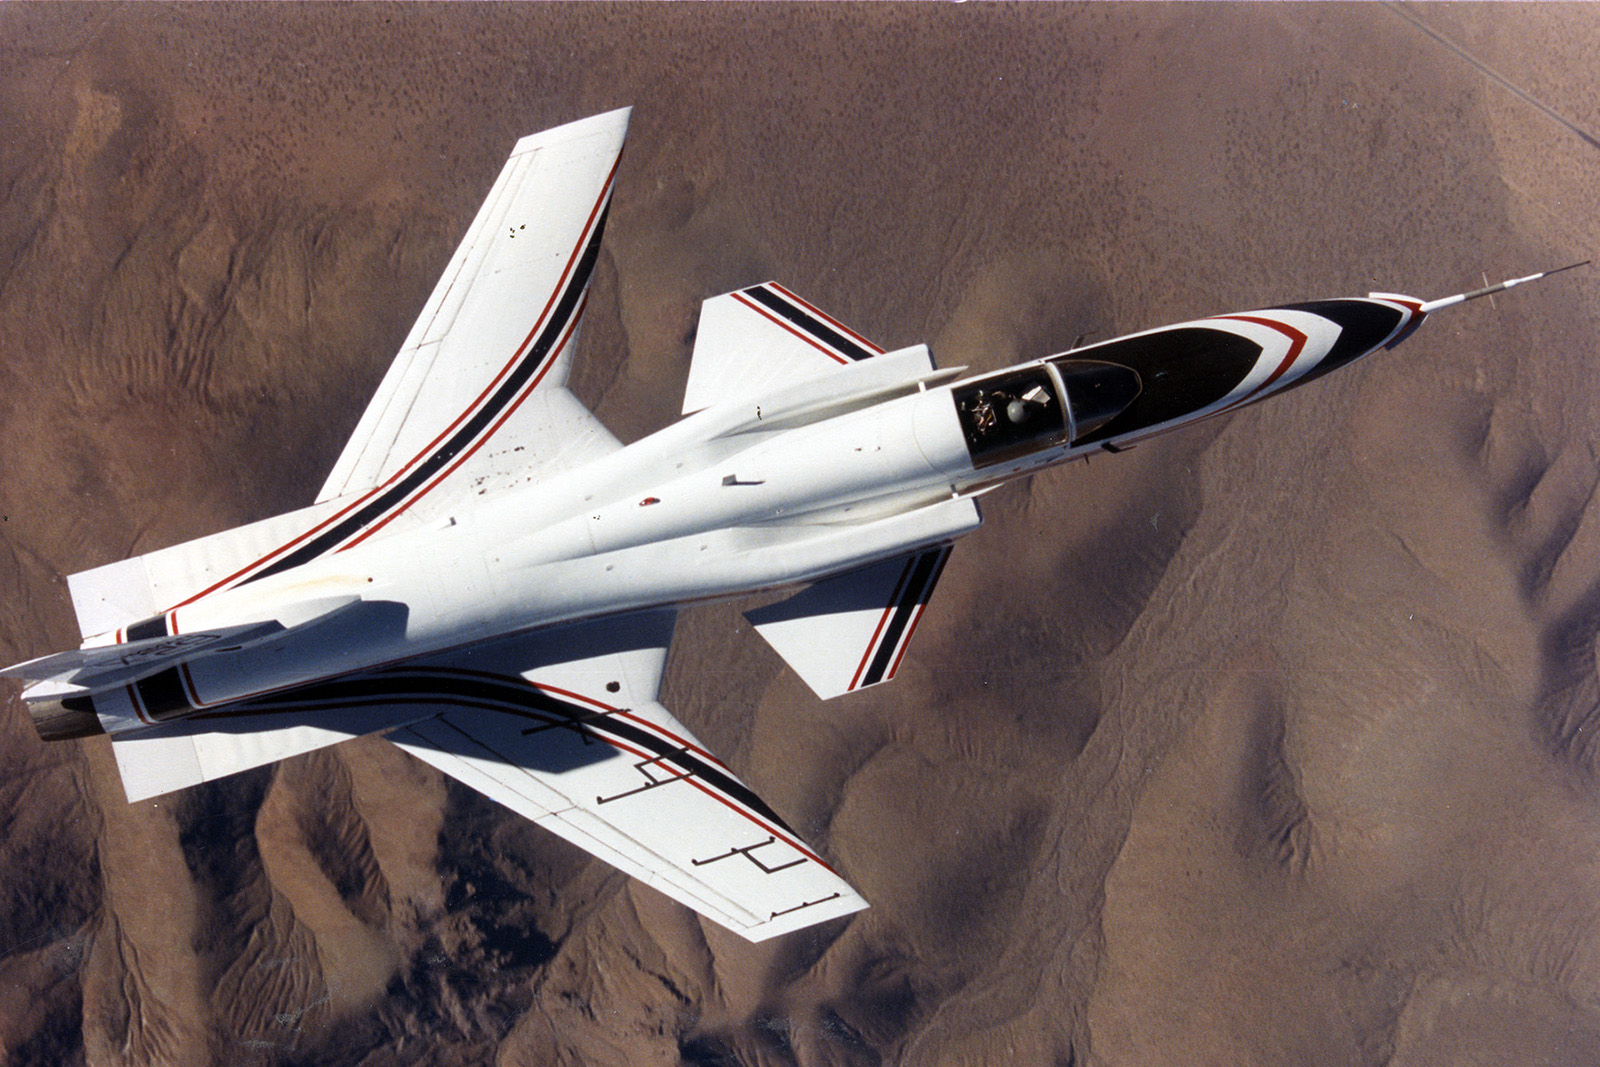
(1019,411)
(1010,414)
(1097,391)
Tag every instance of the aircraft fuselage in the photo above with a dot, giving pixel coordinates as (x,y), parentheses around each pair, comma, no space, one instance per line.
(488,577)
(741,498)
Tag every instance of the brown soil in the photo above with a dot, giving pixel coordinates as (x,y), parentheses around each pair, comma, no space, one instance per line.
(1271,742)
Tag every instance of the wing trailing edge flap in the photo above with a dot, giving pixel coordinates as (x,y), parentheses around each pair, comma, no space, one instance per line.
(762,338)
(851,631)
(564,729)
(109,597)
(205,748)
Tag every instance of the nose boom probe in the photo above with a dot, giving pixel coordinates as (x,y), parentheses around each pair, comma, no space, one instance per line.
(1461,298)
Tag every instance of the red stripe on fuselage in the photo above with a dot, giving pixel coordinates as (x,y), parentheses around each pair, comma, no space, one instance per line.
(188,685)
(1297,342)
(138,705)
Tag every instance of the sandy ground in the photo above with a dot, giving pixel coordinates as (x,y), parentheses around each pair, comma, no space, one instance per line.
(1270,742)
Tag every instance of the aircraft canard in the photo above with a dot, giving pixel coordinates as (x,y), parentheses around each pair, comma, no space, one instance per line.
(750,342)
(489,578)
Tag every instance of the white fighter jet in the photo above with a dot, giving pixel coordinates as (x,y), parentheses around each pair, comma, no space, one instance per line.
(491,578)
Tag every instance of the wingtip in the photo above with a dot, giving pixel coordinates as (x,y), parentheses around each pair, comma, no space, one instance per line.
(614,122)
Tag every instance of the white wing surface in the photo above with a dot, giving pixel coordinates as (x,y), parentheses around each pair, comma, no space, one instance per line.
(851,631)
(211,746)
(473,402)
(113,596)
(497,335)
(561,727)
(763,338)
(564,730)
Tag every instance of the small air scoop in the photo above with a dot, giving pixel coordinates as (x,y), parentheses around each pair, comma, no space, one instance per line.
(1097,392)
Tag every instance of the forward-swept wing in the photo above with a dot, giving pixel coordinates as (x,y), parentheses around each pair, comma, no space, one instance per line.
(474,401)
(562,724)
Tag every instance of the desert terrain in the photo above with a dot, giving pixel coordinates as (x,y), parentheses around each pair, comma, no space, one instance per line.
(1271,742)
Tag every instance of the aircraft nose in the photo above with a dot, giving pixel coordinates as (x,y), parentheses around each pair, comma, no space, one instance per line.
(1363,326)
(1097,392)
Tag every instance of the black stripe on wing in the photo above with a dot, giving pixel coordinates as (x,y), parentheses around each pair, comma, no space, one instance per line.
(925,570)
(806,322)
(468,689)
(467,434)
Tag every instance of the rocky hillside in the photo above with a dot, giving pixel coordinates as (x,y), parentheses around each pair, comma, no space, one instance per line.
(1269,742)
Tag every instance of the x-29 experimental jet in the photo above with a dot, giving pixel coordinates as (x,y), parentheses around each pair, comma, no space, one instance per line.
(490,577)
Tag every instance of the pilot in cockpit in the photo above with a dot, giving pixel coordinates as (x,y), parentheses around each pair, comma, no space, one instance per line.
(984,407)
